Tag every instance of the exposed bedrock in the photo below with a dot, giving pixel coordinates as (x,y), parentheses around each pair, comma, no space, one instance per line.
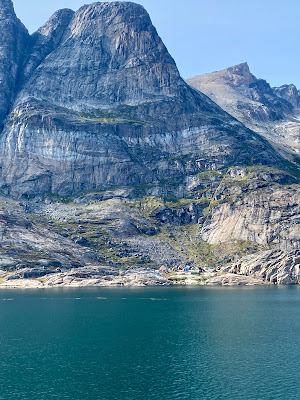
(100,102)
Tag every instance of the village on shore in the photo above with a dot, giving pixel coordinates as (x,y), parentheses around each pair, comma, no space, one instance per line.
(186,272)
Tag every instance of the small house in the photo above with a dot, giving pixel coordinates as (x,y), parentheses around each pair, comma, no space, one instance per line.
(163,269)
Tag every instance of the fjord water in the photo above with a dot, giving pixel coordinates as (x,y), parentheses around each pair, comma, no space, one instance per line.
(151,343)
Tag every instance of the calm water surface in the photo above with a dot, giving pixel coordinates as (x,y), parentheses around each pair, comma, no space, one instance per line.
(152,343)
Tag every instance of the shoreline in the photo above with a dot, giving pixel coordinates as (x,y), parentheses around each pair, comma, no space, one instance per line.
(130,278)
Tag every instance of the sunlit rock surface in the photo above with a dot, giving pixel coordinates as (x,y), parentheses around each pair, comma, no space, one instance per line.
(100,103)
(272,112)
(111,165)
(13,43)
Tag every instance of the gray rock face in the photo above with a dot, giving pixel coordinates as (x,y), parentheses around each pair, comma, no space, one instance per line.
(272,112)
(45,41)
(240,93)
(24,243)
(269,216)
(289,93)
(13,42)
(271,266)
(93,101)
(106,46)
(102,104)
(186,214)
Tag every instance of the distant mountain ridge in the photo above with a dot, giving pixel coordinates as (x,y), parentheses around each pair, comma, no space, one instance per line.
(273,112)
(289,93)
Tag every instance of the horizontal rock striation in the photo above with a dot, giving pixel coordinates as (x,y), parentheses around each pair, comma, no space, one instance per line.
(119,166)
(100,103)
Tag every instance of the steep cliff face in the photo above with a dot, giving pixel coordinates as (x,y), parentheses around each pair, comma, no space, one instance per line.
(109,54)
(45,41)
(93,102)
(268,216)
(102,103)
(272,112)
(253,214)
(13,43)
(272,266)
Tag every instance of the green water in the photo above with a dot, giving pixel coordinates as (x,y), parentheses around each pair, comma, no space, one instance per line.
(152,343)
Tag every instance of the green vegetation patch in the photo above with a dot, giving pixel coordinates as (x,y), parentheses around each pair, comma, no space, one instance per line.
(119,115)
(148,204)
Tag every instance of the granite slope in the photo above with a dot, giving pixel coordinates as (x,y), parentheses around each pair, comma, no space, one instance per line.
(100,103)
(13,44)
(272,112)
(118,164)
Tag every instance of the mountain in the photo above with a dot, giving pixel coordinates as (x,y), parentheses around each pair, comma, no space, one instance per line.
(100,102)
(110,161)
(13,42)
(289,93)
(272,112)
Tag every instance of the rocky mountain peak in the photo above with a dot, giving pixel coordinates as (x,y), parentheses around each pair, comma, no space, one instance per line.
(115,6)
(289,93)
(45,40)
(7,6)
(105,54)
(102,15)
(239,74)
(100,102)
(271,111)
(241,69)
(13,44)
(59,18)
(236,76)
(93,104)
(7,13)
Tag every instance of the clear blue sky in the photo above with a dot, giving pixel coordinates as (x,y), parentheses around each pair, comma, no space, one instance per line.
(208,35)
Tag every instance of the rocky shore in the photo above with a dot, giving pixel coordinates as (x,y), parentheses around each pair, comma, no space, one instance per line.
(106,277)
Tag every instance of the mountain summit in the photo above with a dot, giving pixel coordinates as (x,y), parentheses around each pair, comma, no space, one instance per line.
(238,85)
(13,43)
(106,54)
(273,112)
(289,93)
(237,74)
(99,102)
